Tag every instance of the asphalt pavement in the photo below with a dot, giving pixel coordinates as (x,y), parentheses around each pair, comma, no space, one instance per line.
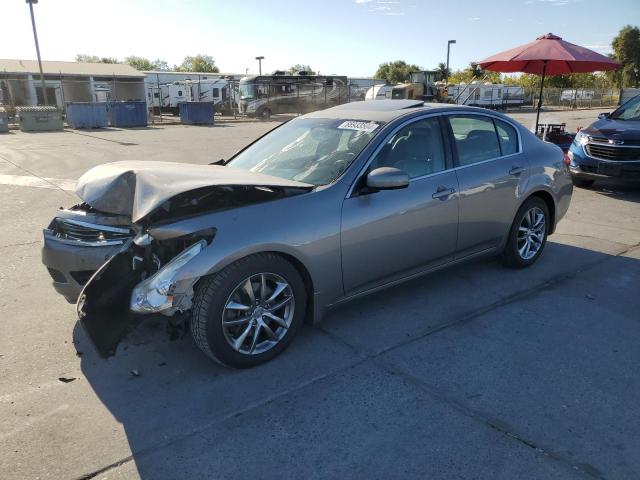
(473,372)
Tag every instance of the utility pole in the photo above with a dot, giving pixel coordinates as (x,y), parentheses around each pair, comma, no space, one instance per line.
(446,74)
(35,38)
(260,58)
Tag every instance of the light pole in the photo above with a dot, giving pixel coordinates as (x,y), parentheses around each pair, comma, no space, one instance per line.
(260,58)
(446,74)
(35,38)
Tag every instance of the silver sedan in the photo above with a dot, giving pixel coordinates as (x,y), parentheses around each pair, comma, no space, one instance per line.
(330,206)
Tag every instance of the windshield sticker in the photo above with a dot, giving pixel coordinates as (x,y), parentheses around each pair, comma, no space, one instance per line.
(359,126)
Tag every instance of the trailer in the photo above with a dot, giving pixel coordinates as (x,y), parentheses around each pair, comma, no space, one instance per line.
(576,94)
(168,96)
(379,92)
(487,95)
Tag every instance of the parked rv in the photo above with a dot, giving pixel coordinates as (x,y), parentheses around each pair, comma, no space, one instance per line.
(487,95)
(423,85)
(379,92)
(264,95)
(170,95)
(576,94)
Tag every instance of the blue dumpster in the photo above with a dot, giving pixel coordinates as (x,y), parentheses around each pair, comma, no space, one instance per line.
(196,113)
(87,115)
(128,114)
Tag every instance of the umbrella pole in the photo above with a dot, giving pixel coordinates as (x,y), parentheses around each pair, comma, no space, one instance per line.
(544,70)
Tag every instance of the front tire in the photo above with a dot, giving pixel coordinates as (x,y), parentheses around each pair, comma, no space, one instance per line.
(250,311)
(528,234)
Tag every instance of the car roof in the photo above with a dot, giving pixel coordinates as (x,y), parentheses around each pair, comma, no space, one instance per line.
(383,110)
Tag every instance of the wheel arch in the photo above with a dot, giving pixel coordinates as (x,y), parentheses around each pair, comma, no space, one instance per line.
(311,313)
(548,199)
(306,280)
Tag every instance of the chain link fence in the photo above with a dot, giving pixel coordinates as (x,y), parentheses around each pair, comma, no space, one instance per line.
(511,97)
(264,98)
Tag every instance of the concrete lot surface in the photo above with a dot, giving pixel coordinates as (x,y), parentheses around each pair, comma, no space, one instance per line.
(474,372)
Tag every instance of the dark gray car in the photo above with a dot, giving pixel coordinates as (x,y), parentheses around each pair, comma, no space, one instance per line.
(327,207)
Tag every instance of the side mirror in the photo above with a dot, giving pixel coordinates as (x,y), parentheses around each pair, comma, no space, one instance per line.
(603,115)
(387,178)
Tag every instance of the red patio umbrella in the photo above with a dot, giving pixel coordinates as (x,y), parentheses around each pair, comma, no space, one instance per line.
(548,55)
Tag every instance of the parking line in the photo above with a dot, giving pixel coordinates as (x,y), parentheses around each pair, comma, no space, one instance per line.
(30,181)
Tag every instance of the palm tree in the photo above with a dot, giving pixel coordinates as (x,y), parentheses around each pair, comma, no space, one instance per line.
(442,70)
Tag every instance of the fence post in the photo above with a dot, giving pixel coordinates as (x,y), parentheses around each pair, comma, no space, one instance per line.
(159,96)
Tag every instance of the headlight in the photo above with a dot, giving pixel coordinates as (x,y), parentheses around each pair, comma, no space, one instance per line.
(581,138)
(155,294)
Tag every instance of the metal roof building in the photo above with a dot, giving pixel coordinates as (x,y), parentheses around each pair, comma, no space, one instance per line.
(68,82)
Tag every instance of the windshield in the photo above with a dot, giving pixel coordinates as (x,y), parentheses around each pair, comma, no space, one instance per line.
(628,111)
(311,150)
(247,90)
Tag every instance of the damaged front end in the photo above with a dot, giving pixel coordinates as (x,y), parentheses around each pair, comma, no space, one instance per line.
(138,280)
(102,254)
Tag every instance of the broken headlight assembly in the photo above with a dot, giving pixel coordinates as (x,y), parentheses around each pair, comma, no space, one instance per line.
(155,294)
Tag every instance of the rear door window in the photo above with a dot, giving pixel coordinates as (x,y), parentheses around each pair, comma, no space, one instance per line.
(507,136)
(475,138)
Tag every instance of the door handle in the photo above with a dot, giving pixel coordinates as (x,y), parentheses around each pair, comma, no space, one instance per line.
(516,170)
(443,192)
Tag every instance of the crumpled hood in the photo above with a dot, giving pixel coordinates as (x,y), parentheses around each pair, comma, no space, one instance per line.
(136,188)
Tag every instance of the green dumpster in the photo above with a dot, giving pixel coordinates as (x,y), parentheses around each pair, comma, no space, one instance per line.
(39,119)
(4,121)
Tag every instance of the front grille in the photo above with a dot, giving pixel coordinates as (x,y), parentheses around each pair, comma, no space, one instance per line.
(612,152)
(90,233)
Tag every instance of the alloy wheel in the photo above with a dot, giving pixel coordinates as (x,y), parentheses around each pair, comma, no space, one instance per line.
(258,313)
(531,233)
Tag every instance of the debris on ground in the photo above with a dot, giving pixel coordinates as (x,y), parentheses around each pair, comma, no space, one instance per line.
(66,379)
(134,373)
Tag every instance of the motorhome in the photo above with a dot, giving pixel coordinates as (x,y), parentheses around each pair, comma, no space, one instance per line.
(263,95)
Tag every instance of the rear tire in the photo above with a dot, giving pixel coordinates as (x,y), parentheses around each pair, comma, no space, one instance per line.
(582,183)
(528,234)
(220,319)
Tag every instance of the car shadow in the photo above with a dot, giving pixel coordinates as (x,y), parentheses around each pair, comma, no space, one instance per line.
(163,391)
(628,191)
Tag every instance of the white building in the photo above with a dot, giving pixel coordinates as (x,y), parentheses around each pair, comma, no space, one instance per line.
(20,83)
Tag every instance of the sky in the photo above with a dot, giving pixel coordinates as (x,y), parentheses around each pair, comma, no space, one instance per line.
(341,37)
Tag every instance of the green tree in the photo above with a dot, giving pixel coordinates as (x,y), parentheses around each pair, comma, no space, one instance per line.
(626,50)
(474,73)
(301,68)
(198,63)
(443,70)
(396,72)
(81,57)
(139,63)
(161,65)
